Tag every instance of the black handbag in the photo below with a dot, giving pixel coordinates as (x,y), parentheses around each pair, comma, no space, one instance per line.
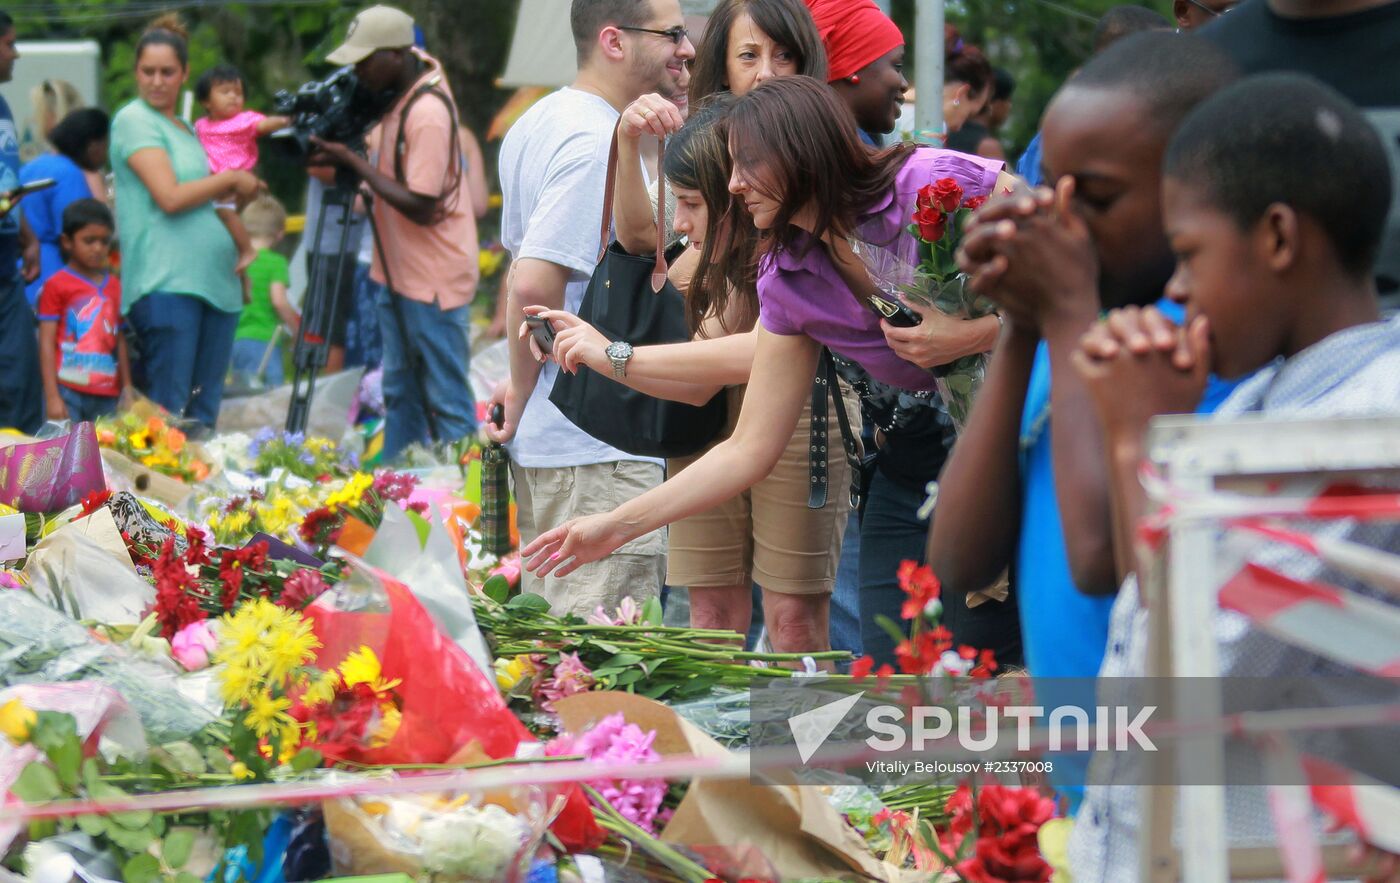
(629,298)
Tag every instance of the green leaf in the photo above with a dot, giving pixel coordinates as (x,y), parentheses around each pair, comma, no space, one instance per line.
(421,525)
(36,783)
(183,757)
(67,759)
(306,759)
(631,676)
(187,877)
(651,611)
(497,588)
(528,603)
(606,647)
(93,826)
(91,773)
(131,821)
(131,841)
(177,847)
(143,868)
(623,660)
(891,629)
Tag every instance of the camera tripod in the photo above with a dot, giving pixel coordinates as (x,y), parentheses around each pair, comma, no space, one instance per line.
(322,305)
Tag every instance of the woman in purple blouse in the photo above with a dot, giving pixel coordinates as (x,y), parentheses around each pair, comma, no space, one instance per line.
(826,207)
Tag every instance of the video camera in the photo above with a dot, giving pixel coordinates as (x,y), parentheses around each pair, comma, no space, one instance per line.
(338,108)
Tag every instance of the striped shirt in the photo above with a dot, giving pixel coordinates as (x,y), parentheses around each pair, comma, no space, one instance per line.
(1353,373)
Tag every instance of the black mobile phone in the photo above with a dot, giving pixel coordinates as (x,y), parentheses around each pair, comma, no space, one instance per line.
(895,313)
(542,332)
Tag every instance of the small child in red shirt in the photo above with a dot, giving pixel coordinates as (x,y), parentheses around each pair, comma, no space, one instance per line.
(82,354)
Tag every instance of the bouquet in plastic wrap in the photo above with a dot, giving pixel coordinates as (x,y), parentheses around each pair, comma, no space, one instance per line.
(53,474)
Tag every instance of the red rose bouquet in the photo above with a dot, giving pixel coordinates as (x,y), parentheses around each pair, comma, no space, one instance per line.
(940,212)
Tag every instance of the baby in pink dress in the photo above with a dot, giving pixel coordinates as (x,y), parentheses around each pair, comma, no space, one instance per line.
(230,137)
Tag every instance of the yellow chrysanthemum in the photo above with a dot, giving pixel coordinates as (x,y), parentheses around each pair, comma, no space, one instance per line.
(238,683)
(268,640)
(322,690)
(267,715)
(289,648)
(140,440)
(240,771)
(362,667)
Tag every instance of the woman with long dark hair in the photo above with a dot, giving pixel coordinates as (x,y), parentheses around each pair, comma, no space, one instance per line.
(766,534)
(818,195)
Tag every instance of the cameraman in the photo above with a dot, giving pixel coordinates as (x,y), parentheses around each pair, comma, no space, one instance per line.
(426,262)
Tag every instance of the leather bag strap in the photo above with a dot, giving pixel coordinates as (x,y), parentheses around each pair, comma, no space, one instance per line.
(658,271)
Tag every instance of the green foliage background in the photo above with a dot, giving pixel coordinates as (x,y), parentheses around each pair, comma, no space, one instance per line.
(1039,41)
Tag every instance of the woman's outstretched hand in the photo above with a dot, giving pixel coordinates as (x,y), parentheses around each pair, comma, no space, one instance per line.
(573,544)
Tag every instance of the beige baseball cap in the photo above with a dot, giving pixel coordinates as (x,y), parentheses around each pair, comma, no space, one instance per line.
(379,27)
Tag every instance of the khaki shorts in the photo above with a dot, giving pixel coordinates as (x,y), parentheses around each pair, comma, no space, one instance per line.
(546,498)
(767,534)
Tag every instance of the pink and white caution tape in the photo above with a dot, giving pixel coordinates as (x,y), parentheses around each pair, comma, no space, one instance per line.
(1291,808)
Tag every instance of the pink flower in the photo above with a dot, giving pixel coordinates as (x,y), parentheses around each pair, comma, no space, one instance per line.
(628,613)
(614,741)
(570,676)
(508,568)
(301,588)
(192,644)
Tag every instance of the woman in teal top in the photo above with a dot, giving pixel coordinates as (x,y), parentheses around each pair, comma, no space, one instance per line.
(180,291)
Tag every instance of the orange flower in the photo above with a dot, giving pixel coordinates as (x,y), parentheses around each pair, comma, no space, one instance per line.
(174,440)
(154,425)
(200,469)
(106,438)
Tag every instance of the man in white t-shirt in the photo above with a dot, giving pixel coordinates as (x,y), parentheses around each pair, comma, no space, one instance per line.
(553,164)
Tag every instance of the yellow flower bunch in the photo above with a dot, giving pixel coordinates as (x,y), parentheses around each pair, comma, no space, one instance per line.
(352,493)
(360,667)
(261,645)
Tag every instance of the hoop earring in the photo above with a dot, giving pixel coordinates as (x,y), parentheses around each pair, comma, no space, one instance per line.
(854,79)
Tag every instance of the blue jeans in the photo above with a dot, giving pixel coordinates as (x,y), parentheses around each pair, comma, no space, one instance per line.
(185,348)
(437,367)
(248,355)
(845,599)
(86,406)
(362,338)
(891,532)
(21,387)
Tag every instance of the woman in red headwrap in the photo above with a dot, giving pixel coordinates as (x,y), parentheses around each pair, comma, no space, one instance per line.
(865,61)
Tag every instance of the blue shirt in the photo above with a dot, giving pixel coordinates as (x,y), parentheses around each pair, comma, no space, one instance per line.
(1063,631)
(9,180)
(44,210)
(1028,166)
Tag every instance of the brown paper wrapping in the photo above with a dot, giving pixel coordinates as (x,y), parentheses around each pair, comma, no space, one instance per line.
(794,827)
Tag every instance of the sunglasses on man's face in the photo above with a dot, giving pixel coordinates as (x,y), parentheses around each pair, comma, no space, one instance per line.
(675,35)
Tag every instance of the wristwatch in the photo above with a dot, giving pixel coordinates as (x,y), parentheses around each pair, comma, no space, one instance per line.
(618,353)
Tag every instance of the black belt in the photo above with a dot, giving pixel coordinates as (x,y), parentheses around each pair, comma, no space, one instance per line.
(827,386)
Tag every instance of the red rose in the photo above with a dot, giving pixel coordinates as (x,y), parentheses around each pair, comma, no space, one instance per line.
(947,194)
(925,197)
(974,202)
(932,223)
